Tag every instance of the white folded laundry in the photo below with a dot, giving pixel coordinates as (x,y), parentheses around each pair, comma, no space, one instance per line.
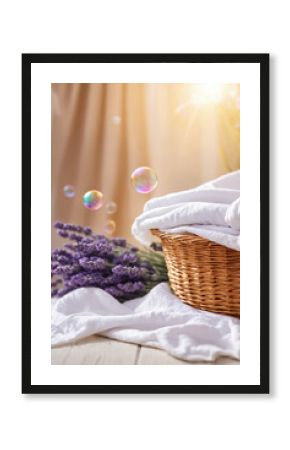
(232,216)
(159,319)
(211,211)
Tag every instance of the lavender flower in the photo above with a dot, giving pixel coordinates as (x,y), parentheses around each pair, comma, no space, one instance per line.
(64,291)
(75,237)
(54,293)
(119,242)
(67,269)
(87,240)
(114,265)
(60,252)
(62,259)
(114,291)
(88,278)
(87,230)
(59,225)
(126,258)
(72,227)
(63,233)
(93,263)
(131,273)
(103,249)
(129,288)
(70,246)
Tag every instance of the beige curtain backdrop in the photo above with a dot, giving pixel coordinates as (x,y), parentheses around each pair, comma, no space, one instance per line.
(186,144)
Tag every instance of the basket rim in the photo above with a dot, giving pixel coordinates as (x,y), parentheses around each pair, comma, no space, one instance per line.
(189,237)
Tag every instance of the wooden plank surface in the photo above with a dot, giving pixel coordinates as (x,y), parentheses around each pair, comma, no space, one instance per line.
(98,350)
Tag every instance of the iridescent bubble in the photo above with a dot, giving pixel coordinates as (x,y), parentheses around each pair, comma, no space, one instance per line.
(111,207)
(93,200)
(69,191)
(110,227)
(116,120)
(144,180)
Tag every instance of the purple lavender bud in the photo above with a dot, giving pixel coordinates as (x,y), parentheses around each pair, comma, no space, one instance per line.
(63,259)
(87,240)
(60,252)
(127,258)
(58,225)
(71,227)
(87,230)
(111,280)
(103,249)
(54,292)
(138,274)
(77,279)
(66,270)
(90,249)
(114,291)
(75,237)
(85,249)
(100,237)
(93,263)
(64,291)
(119,242)
(87,279)
(77,256)
(62,233)
(70,247)
(132,288)
(131,273)
(120,270)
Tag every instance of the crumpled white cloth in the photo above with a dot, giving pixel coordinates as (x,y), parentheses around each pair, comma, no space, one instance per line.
(159,319)
(211,211)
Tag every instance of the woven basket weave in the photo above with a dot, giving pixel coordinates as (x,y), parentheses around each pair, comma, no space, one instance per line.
(202,274)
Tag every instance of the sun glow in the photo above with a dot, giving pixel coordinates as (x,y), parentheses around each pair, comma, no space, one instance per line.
(204,94)
(208,95)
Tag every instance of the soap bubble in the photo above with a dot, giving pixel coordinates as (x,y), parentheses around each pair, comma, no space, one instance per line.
(69,191)
(93,200)
(111,207)
(110,227)
(144,180)
(116,120)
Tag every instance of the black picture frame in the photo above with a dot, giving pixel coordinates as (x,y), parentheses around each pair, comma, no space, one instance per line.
(27,61)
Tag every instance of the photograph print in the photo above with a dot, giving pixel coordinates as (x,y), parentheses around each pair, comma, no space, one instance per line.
(146,182)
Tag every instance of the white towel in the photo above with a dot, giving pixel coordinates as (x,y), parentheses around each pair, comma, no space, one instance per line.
(211,211)
(159,319)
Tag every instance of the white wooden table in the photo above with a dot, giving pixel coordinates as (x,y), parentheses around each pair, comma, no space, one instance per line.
(100,350)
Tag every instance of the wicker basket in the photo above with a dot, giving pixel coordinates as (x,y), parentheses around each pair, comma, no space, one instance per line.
(202,273)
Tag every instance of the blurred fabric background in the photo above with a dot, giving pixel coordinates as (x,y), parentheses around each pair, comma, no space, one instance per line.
(100,133)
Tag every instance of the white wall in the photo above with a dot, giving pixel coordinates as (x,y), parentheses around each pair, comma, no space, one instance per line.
(73,422)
